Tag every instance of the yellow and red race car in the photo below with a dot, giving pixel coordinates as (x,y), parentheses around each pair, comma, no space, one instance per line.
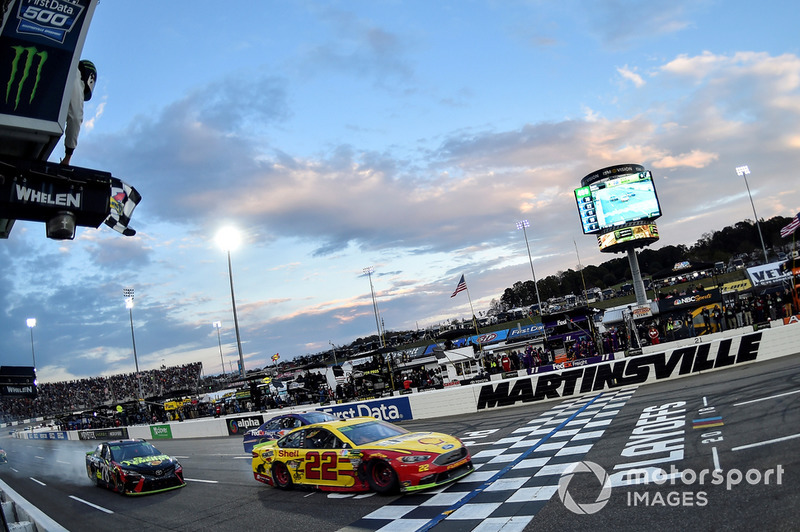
(361,454)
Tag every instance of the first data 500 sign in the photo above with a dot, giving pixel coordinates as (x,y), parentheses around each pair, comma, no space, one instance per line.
(628,372)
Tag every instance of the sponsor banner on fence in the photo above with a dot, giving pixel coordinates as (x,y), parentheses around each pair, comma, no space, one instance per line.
(389,409)
(791,319)
(767,274)
(161,432)
(627,372)
(238,426)
(104,434)
(57,435)
(694,300)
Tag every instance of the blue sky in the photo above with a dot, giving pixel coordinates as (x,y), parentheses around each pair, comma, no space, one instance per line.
(406,136)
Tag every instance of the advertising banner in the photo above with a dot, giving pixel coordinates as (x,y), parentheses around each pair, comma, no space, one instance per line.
(104,434)
(161,432)
(39,40)
(389,409)
(627,372)
(536,329)
(768,274)
(238,426)
(690,301)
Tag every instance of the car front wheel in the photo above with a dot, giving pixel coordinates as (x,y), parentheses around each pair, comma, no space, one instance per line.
(381,477)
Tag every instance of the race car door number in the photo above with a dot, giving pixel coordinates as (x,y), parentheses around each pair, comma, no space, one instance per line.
(321,467)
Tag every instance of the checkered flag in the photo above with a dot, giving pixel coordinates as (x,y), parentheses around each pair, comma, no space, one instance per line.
(124,198)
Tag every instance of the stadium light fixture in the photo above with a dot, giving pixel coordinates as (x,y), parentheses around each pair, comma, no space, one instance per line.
(31,324)
(744,171)
(228,238)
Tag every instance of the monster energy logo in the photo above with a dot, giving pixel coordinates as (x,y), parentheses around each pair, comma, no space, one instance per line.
(29,54)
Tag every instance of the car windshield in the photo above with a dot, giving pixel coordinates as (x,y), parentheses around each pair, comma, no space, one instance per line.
(318,417)
(131,451)
(371,431)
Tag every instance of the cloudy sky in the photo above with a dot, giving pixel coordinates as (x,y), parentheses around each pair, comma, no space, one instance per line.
(406,136)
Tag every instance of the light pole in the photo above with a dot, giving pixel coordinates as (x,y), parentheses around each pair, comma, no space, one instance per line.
(333,348)
(218,326)
(744,171)
(522,224)
(128,294)
(31,324)
(368,270)
(228,238)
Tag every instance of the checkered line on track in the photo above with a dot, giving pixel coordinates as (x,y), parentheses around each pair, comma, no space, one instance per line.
(514,497)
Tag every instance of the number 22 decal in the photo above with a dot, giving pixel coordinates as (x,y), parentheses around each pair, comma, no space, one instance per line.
(321,467)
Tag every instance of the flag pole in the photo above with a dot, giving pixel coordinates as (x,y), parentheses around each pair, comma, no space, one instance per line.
(475,324)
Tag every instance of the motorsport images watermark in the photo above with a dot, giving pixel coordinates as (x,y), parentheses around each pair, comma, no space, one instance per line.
(658,476)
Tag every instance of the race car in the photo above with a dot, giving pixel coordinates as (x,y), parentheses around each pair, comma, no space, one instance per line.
(361,454)
(133,467)
(280,426)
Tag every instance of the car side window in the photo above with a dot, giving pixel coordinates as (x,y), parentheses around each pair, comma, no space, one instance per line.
(273,425)
(294,440)
(324,439)
(106,452)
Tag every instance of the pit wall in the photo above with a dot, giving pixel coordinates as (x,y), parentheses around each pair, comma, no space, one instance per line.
(661,362)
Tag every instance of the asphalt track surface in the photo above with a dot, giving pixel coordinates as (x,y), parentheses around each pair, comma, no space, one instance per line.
(739,420)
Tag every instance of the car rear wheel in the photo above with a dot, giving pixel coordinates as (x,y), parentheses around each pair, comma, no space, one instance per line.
(281,476)
(381,477)
(92,474)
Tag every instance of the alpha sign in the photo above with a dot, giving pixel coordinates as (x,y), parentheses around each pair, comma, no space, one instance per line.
(627,372)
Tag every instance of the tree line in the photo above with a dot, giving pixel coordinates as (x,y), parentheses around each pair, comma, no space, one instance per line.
(740,238)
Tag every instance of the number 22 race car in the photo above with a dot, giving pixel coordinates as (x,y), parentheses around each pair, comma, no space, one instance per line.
(133,467)
(361,454)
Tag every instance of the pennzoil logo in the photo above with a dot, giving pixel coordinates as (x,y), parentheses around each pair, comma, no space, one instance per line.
(26,73)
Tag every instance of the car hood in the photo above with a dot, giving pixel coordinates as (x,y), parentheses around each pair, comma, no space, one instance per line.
(426,442)
(145,463)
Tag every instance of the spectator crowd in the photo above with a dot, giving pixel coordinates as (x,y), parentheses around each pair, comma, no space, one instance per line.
(59,398)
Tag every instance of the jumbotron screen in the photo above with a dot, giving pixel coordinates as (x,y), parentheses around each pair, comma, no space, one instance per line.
(615,202)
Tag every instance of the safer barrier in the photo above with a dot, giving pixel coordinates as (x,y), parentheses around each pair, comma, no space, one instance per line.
(661,362)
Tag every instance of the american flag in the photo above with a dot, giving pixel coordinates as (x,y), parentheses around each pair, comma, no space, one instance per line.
(462,285)
(793,225)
